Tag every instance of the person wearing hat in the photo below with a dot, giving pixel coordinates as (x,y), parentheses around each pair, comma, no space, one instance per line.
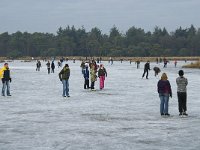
(102,74)
(6,79)
(182,83)
(64,78)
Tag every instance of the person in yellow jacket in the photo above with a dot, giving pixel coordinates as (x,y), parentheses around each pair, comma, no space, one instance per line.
(6,79)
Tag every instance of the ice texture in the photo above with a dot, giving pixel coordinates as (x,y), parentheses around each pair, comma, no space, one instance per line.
(123,116)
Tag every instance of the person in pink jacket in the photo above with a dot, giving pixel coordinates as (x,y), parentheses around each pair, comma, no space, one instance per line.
(102,74)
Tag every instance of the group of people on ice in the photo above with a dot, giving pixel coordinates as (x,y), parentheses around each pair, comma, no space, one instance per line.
(165,91)
(92,71)
(50,67)
(147,69)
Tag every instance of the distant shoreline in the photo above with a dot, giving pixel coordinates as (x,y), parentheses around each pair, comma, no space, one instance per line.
(196,58)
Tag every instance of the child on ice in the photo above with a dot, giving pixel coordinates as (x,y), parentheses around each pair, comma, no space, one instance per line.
(102,74)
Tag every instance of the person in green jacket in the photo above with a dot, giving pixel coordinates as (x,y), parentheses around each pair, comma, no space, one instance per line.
(64,78)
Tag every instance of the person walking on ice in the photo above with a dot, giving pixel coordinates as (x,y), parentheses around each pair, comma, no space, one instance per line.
(48,67)
(138,64)
(164,90)
(102,74)
(6,79)
(38,65)
(146,69)
(52,66)
(182,83)
(64,78)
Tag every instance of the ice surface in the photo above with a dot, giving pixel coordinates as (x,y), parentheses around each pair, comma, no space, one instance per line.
(124,116)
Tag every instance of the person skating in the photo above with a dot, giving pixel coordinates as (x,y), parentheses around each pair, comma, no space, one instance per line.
(112,61)
(102,74)
(165,63)
(61,61)
(64,78)
(93,76)
(182,83)
(6,79)
(98,60)
(82,66)
(175,63)
(138,64)
(59,64)
(164,90)
(146,69)
(156,70)
(38,65)
(52,66)
(48,67)
(157,60)
(86,75)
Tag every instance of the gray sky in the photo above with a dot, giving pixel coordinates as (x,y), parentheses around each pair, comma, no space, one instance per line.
(49,15)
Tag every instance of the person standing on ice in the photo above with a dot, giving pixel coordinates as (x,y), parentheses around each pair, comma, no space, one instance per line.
(74,60)
(146,69)
(52,66)
(102,74)
(164,90)
(48,67)
(182,83)
(175,63)
(6,79)
(138,64)
(64,78)
(82,66)
(38,65)
(93,76)
(165,63)
(86,75)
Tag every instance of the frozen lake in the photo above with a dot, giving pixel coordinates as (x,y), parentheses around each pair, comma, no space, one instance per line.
(124,116)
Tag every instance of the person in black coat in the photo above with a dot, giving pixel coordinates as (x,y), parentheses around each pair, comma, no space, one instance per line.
(48,67)
(52,67)
(6,80)
(146,69)
(156,70)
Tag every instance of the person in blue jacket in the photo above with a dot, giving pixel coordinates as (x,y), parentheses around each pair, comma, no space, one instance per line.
(86,75)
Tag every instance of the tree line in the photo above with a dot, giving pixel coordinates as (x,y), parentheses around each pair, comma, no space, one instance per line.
(71,41)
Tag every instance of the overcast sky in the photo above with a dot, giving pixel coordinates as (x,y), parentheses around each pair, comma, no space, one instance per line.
(49,15)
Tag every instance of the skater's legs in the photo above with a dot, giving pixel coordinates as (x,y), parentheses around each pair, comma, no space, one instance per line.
(8,87)
(162,100)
